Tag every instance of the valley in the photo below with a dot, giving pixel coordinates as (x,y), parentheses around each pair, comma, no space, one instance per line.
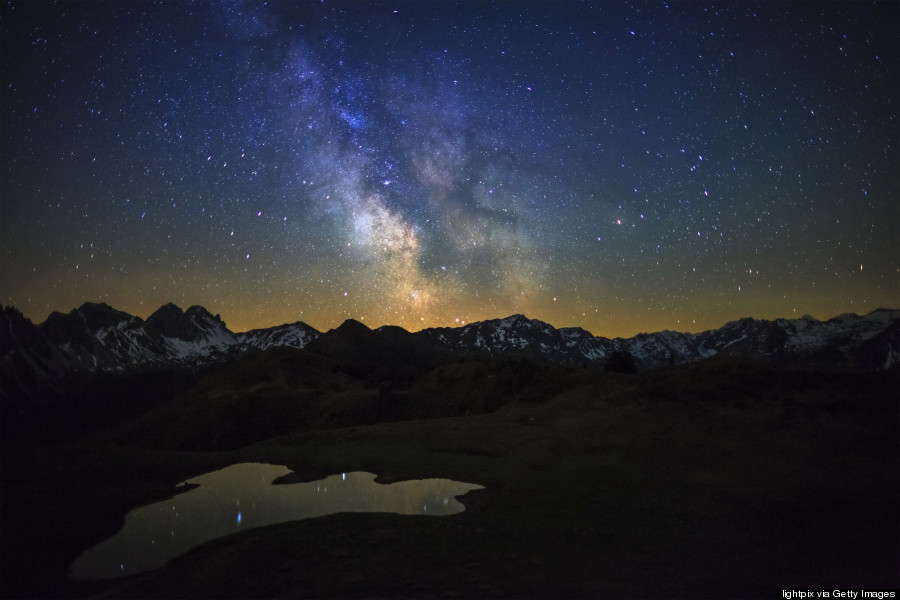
(721,478)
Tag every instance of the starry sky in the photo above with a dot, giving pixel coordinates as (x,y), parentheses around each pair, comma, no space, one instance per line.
(621,167)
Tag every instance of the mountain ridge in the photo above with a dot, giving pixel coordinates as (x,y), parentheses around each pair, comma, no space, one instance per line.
(98,337)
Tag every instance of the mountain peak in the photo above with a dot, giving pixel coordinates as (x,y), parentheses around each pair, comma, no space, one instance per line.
(197,310)
(352,327)
(517,317)
(83,322)
(199,314)
(100,315)
(14,327)
(170,321)
(515,320)
(95,306)
(166,310)
(518,320)
(11,312)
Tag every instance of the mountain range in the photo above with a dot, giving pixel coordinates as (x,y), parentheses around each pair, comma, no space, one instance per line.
(98,338)
(182,379)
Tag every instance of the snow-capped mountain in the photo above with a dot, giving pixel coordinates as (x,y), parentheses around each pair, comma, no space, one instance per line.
(294,335)
(846,342)
(520,335)
(568,345)
(97,337)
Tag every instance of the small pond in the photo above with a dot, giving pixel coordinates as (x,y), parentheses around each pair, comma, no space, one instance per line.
(242,497)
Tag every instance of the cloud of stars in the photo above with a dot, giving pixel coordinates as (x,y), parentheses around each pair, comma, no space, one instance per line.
(617,167)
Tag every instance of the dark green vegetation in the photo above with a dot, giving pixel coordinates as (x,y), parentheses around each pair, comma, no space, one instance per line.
(718,479)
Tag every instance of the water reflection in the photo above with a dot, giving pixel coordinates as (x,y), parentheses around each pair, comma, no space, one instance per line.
(242,497)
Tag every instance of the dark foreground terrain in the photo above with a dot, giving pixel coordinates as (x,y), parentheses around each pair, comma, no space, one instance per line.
(719,479)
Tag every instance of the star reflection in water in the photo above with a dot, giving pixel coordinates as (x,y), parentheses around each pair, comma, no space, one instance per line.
(207,512)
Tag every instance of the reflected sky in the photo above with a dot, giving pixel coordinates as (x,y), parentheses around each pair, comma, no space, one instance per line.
(242,497)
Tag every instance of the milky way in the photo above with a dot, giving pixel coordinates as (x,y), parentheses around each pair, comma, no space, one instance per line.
(619,167)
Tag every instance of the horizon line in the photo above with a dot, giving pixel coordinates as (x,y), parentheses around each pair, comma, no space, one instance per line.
(459,323)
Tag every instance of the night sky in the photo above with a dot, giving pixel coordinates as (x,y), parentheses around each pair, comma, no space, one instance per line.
(622,167)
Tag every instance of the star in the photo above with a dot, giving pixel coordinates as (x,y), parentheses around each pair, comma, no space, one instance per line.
(454,163)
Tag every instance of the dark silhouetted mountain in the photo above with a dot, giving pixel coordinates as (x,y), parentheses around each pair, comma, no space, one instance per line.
(100,365)
(171,322)
(96,337)
(388,354)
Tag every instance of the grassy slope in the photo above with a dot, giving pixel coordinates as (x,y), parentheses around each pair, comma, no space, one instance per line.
(716,480)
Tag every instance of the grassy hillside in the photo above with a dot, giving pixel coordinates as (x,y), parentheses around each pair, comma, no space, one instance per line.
(285,390)
(720,479)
